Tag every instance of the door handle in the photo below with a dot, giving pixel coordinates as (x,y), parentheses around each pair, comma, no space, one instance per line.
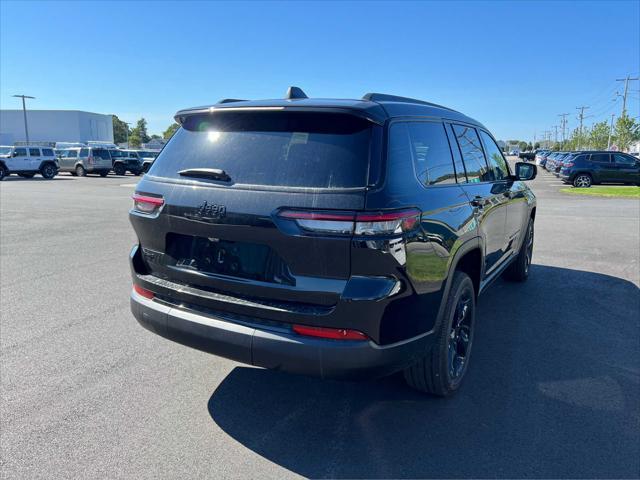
(478,202)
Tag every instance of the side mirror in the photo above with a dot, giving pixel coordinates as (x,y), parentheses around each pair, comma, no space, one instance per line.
(526,171)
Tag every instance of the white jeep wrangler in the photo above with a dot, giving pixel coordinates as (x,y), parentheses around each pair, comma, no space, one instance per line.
(28,160)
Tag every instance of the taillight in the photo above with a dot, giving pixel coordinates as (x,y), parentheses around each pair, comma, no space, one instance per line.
(330,333)
(568,164)
(143,291)
(90,160)
(147,204)
(354,223)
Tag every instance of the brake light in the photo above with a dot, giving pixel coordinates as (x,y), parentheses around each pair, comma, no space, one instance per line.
(356,223)
(568,164)
(147,204)
(330,333)
(143,291)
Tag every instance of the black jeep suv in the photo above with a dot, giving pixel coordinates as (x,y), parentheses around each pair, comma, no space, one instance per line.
(583,169)
(337,238)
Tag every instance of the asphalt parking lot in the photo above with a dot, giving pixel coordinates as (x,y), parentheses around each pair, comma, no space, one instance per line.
(553,389)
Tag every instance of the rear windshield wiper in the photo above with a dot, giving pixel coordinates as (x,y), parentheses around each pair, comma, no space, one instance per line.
(212,173)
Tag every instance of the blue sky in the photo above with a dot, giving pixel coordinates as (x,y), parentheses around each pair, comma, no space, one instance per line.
(512,65)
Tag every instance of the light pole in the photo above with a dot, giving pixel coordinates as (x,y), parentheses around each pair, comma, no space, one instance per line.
(127,132)
(24,112)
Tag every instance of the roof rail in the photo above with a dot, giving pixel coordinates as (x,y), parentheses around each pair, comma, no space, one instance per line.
(231,100)
(383,97)
(295,92)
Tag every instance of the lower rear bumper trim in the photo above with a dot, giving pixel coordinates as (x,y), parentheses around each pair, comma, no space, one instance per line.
(278,350)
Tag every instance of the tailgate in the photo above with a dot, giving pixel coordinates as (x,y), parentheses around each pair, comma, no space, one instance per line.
(222,233)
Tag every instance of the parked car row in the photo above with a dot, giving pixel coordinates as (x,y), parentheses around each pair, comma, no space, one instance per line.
(584,168)
(79,160)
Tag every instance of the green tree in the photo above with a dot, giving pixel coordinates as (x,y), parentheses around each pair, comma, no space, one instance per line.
(599,136)
(139,134)
(627,130)
(120,130)
(170,131)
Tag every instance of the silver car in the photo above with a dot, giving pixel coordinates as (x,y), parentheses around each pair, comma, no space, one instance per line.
(82,160)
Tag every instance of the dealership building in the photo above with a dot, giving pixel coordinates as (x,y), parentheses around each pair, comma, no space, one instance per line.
(55,126)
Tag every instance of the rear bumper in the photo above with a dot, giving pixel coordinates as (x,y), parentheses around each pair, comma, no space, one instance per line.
(277,348)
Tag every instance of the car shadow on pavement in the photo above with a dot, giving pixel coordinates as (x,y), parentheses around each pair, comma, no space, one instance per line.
(34,179)
(552,391)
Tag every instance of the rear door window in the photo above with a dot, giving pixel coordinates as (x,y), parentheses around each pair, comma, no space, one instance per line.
(34,152)
(72,154)
(288,149)
(424,144)
(472,154)
(497,163)
(84,152)
(600,157)
(623,160)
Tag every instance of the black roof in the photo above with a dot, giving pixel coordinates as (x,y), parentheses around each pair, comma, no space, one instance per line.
(376,107)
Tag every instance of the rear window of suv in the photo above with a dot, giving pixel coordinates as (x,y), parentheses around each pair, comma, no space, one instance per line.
(102,153)
(288,149)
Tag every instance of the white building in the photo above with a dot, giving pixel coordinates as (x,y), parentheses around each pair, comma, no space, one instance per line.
(55,126)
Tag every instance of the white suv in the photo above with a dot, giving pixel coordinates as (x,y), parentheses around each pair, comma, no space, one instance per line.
(28,160)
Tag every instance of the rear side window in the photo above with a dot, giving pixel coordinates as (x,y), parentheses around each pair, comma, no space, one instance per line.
(47,152)
(497,163)
(600,157)
(472,155)
(289,149)
(623,160)
(426,145)
(99,152)
(34,152)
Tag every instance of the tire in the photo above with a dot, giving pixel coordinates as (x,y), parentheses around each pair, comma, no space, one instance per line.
(104,174)
(80,171)
(48,171)
(518,271)
(136,172)
(441,370)
(582,180)
(119,169)
(3,172)
(26,175)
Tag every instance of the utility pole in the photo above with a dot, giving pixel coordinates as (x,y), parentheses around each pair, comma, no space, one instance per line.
(127,132)
(610,131)
(563,122)
(626,90)
(556,135)
(581,117)
(24,112)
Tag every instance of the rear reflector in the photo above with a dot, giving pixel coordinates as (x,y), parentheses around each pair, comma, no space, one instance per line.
(356,223)
(331,333)
(143,291)
(146,204)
